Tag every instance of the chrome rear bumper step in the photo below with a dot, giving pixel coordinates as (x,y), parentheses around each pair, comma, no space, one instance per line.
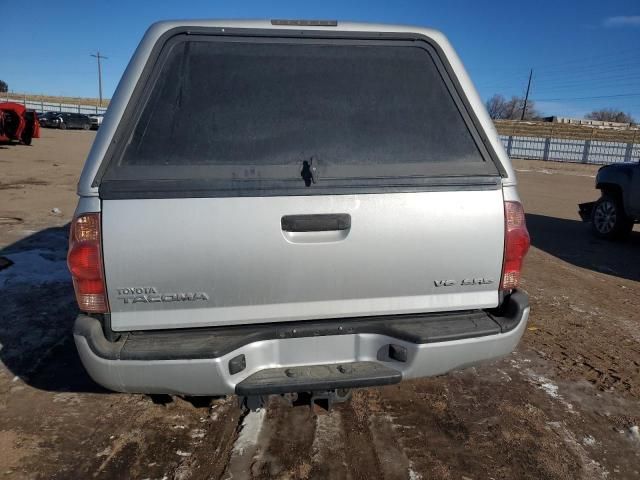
(318,377)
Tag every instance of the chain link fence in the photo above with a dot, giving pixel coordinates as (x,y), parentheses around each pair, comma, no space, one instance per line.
(42,106)
(565,150)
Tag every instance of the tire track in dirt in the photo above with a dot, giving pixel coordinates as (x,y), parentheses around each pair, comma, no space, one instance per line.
(364,462)
(286,447)
(212,442)
(275,442)
(179,441)
(464,425)
(131,436)
(330,456)
(390,459)
(355,440)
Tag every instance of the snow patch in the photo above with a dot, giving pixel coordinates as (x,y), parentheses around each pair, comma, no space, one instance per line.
(104,453)
(391,419)
(248,437)
(413,475)
(549,388)
(213,413)
(577,309)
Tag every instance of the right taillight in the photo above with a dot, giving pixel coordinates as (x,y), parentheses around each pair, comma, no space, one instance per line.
(85,263)
(516,245)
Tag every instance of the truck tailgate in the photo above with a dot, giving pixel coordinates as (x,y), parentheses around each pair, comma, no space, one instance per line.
(191,262)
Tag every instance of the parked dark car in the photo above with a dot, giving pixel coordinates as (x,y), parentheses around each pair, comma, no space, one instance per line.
(64,120)
(47,119)
(618,209)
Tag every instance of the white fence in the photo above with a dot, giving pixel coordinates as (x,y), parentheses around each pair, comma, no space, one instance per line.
(576,151)
(41,106)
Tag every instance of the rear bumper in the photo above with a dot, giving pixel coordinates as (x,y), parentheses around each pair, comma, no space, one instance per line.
(231,360)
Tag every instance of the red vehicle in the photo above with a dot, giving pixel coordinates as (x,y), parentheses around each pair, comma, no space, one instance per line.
(18,123)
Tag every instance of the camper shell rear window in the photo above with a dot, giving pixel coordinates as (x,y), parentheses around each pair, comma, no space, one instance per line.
(224,116)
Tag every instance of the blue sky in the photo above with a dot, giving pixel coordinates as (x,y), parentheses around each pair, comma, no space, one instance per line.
(578,50)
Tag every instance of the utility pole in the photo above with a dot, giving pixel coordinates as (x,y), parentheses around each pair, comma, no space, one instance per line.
(98,57)
(526,97)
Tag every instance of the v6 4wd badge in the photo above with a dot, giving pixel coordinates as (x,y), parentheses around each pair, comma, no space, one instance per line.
(151,295)
(463,282)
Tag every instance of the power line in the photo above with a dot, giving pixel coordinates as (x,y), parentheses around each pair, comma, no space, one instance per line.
(542,86)
(570,64)
(584,89)
(613,73)
(589,84)
(630,69)
(620,95)
(565,71)
(99,57)
(602,86)
(588,61)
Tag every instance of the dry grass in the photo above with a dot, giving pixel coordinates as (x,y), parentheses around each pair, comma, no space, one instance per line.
(560,130)
(54,99)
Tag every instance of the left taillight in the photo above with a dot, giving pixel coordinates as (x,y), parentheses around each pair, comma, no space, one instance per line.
(516,245)
(85,263)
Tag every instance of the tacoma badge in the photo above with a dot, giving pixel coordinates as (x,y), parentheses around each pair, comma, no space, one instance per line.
(151,295)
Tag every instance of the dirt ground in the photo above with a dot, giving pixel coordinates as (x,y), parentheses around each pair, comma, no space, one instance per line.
(565,405)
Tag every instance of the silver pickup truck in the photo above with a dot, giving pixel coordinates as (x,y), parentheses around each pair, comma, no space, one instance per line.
(287,206)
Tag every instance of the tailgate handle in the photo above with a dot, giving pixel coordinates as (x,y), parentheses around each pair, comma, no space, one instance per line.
(316,223)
